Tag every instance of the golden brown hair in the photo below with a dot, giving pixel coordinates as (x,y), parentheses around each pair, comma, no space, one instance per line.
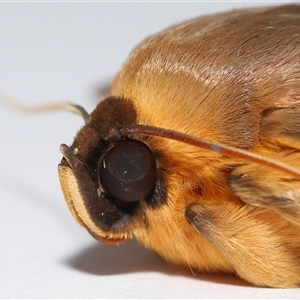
(231,78)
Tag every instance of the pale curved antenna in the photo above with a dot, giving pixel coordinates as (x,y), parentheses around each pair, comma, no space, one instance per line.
(13,104)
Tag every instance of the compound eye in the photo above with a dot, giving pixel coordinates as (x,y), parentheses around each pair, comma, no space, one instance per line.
(127,171)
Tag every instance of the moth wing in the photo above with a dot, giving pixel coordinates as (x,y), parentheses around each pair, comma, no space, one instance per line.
(262,186)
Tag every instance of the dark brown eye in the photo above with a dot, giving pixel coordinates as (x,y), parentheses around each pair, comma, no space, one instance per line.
(127,171)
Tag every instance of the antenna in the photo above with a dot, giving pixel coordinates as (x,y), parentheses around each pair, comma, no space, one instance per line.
(59,105)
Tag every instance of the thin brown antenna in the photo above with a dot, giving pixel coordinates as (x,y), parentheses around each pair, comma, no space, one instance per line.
(213,146)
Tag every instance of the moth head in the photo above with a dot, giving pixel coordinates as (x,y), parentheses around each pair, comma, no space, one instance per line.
(108,178)
(111,176)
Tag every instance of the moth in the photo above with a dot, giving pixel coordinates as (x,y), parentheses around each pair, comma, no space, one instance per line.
(196,153)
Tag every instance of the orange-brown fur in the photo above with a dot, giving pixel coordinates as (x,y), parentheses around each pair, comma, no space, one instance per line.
(213,78)
(232,78)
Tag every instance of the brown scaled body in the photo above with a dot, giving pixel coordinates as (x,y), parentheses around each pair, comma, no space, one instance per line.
(232,78)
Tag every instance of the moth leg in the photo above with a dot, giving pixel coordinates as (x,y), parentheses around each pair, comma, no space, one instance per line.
(281,127)
(263,248)
(263,187)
